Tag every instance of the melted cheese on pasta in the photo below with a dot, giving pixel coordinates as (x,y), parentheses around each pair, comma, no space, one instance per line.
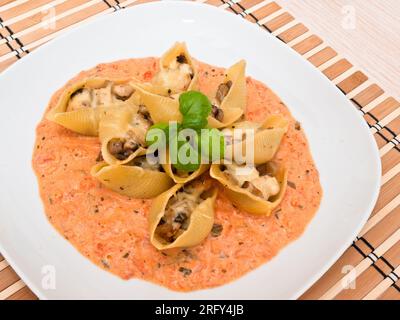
(250,179)
(176,77)
(99,97)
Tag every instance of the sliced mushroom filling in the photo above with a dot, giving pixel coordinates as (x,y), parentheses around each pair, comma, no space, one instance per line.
(222,91)
(259,181)
(122,148)
(217,113)
(176,76)
(179,208)
(143,162)
(101,96)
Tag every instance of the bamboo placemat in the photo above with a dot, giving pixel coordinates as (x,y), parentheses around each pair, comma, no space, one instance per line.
(370,268)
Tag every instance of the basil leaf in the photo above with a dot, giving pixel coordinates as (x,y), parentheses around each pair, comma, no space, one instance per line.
(195,108)
(184,153)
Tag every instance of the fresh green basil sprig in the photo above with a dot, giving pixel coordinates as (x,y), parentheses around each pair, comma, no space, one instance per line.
(195,108)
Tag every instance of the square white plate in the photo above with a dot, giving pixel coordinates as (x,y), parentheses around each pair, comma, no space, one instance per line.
(343,148)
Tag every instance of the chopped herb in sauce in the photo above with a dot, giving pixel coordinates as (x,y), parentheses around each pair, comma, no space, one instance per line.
(291,184)
(216,230)
(185,271)
(105,264)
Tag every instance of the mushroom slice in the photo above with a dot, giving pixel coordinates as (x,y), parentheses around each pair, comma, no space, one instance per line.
(82,105)
(124,179)
(182,216)
(220,118)
(122,134)
(255,192)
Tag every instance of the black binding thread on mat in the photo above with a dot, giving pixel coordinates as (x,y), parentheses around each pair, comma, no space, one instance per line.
(358,250)
(379,270)
(378,127)
(8,45)
(106,2)
(247,14)
(354,245)
(116,7)
(382,258)
(12,35)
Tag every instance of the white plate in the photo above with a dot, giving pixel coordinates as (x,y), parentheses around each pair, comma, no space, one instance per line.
(344,150)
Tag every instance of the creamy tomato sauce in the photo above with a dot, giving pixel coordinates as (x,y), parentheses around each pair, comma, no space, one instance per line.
(112,230)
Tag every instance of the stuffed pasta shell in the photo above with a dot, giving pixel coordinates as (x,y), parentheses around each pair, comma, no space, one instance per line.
(122,134)
(182,216)
(82,105)
(264,139)
(123,179)
(229,102)
(177,74)
(257,190)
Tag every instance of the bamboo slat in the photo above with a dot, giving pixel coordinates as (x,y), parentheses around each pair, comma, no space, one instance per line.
(370,268)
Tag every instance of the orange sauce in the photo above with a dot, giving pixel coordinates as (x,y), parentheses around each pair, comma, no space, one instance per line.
(112,230)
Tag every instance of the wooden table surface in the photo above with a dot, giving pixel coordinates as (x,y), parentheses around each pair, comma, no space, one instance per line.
(371,43)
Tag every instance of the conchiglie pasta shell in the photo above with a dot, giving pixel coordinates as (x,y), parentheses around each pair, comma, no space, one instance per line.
(161,108)
(86,120)
(123,179)
(168,170)
(265,141)
(201,221)
(247,201)
(115,125)
(177,49)
(237,95)
(230,116)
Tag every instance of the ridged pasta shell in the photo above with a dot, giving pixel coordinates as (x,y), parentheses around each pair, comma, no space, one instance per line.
(124,179)
(247,201)
(84,121)
(177,179)
(237,95)
(201,221)
(177,49)
(266,140)
(161,108)
(115,125)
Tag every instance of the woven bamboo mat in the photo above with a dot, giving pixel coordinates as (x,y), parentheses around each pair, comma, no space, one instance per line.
(370,268)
